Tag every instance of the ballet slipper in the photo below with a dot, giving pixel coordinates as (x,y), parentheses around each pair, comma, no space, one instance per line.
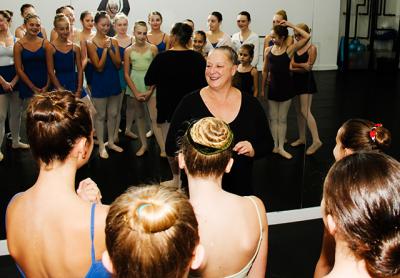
(130,134)
(275,150)
(20,145)
(163,154)
(141,151)
(1,156)
(297,143)
(115,148)
(149,133)
(103,153)
(284,154)
(314,148)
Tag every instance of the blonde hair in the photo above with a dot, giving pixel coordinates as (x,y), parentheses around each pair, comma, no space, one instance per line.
(119,16)
(207,147)
(151,231)
(60,17)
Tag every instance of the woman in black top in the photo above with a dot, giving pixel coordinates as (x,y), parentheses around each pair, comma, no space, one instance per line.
(175,73)
(241,111)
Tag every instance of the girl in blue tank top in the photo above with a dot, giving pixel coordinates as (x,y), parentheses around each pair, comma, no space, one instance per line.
(30,59)
(103,51)
(155,34)
(124,41)
(64,60)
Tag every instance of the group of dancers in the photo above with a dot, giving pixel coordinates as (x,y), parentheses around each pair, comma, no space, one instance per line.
(93,65)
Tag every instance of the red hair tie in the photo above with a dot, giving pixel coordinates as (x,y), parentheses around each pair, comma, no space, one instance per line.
(372,133)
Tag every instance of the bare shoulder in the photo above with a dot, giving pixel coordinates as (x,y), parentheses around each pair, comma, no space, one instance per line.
(261,208)
(76,47)
(254,71)
(153,49)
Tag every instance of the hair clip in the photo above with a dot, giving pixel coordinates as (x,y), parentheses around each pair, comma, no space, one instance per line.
(141,207)
(372,133)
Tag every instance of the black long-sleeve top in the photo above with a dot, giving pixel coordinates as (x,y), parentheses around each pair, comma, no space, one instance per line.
(249,125)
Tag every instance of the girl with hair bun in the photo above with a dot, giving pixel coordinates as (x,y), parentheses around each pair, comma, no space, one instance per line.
(215,36)
(360,208)
(353,136)
(74,34)
(48,225)
(278,17)
(63,58)
(20,31)
(246,36)
(152,231)
(30,59)
(105,88)
(304,83)
(9,99)
(156,36)
(225,219)
(246,76)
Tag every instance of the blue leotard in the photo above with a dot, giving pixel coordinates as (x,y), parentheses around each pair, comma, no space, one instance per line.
(64,66)
(105,83)
(96,270)
(162,46)
(34,63)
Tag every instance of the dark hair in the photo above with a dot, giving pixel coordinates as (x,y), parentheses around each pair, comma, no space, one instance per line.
(188,19)
(155,13)
(231,53)
(84,14)
(183,33)
(201,33)
(25,6)
(71,7)
(7,15)
(218,15)
(250,48)
(207,147)
(30,16)
(99,15)
(355,135)
(281,31)
(246,14)
(362,194)
(139,23)
(151,231)
(55,120)
(60,9)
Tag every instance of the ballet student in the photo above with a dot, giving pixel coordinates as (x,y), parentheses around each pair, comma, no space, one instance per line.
(199,42)
(63,58)
(246,76)
(9,99)
(360,209)
(159,220)
(124,41)
(104,54)
(304,84)
(353,136)
(30,59)
(68,11)
(215,36)
(59,130)
(246,36)
(279,16)
(86,35)
(277,76)
(228,223)
(21,30)
(156,36)
(138,58)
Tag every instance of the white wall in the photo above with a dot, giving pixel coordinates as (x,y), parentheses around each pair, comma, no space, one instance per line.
(321,15)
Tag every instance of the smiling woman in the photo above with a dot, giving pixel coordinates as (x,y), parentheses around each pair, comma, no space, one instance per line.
(241,111)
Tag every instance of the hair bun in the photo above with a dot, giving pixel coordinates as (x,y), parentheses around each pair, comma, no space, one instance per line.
(383,137)
(386,263)
(10,13)
(155,218)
